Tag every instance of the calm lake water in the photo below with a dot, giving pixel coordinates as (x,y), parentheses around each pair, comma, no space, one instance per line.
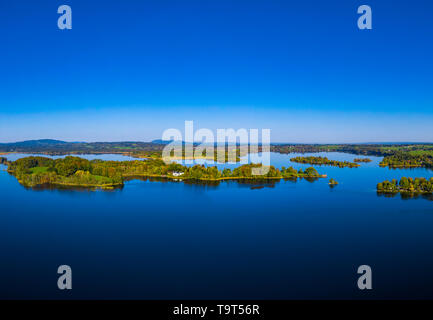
(172,240)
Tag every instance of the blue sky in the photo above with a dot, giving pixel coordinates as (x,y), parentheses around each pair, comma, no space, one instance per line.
(128,70)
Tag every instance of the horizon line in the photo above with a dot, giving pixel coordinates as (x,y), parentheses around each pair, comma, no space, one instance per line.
(272,143)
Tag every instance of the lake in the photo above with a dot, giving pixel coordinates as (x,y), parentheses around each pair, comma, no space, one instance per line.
(174,240)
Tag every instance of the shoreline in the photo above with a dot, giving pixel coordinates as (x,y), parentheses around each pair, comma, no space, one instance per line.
(129,177)
(403,192)
(258,178)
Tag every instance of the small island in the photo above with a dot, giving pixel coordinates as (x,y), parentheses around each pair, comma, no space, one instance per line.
(77,172)
(406,185)
(332,182)
(325,162)
(366,160)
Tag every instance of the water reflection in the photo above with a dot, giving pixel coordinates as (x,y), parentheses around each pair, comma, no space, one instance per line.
(406,195)
(66,189)
(252,184)
(310,179)
(409,169)
(244,239)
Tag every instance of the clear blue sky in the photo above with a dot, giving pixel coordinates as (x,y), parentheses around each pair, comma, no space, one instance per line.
(130,69)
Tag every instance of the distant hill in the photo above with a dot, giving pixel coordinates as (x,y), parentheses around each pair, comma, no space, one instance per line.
(159,141)
(40,142)
(165,142)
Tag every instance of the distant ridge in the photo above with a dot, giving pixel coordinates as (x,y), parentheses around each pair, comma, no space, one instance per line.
(159,141)
(35,142)
(164,142)
(52,142)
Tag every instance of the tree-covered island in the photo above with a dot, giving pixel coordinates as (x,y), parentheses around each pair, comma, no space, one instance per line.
(406,185)
(366,160)
(332,182)
(413,159)
(324,161)
(77,172)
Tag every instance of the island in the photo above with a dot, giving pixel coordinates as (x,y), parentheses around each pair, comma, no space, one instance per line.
(332,182)
(412,159)
(73,171)
(324,161)
(366,160)
(406,185)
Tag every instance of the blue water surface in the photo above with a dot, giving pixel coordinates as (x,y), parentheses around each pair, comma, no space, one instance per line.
(173,240)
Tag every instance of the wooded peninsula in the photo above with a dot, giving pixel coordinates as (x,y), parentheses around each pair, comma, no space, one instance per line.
(78,172)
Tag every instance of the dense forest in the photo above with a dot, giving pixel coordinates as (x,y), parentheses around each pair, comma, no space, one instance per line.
(324,161)
(417,185)
(75,171)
